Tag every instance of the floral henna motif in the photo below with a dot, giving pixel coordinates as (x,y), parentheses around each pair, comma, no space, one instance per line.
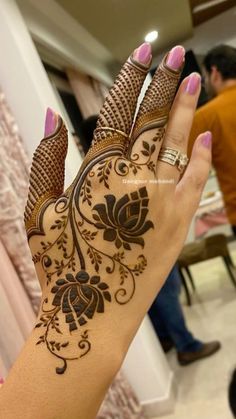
(77,297)
(80,297)
(124,221)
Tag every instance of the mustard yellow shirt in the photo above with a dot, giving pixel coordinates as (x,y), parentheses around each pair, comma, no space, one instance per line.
(219,117)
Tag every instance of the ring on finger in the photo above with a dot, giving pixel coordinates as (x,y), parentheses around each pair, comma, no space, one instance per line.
(174,158)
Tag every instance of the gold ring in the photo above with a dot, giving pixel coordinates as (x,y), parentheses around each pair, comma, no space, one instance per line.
(116,131)
(174,158)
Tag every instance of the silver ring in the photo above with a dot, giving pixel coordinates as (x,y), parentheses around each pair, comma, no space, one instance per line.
(174,158)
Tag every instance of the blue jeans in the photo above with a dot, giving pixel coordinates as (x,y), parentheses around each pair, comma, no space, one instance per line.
(167,316)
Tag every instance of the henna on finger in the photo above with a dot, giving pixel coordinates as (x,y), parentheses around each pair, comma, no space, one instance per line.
(46,177)
(116,116)
(149,128)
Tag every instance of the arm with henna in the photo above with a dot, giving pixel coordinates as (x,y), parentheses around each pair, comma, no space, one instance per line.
(103,248)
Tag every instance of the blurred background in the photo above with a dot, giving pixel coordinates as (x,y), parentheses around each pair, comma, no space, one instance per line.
(65,54)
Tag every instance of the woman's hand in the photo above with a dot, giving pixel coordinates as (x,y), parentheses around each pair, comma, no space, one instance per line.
(108,242)
(103,248)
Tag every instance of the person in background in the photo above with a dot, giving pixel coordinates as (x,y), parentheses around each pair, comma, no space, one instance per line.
(218,116)
(168,321)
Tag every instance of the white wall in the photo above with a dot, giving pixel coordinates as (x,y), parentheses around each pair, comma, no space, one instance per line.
(149,373)
(26,84)
(62,38)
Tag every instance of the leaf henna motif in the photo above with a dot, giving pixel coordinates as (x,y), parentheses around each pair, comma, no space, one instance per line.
(104,170)
(86,191)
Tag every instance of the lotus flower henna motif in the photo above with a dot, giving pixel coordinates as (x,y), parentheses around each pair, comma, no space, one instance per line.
(124,221)
(80,297)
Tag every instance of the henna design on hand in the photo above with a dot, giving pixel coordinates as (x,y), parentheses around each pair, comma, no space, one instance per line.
(86,241)
(80,296)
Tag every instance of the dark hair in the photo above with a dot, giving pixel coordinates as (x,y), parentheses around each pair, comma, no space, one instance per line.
(232,393)
(86,128)
(224,58)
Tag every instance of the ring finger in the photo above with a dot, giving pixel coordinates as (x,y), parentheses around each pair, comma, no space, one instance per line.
(178,130)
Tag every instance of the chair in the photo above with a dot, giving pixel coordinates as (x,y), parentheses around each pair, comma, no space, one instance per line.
(205,249)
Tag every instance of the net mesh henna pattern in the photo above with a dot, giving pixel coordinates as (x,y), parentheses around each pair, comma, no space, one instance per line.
(158,98)
(120,104)
(47,171)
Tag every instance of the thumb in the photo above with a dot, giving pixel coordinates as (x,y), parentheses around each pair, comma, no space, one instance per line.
(47,173)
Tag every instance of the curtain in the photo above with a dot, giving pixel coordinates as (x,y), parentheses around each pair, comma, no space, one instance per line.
(14,172)
(89,93)
(15,293)
(120,402)
(16,314)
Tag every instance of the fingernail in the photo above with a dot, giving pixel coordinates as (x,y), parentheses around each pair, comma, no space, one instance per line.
(193,83)
(50,122)
(1,380)
(207,139)
(143,53)
(175,57)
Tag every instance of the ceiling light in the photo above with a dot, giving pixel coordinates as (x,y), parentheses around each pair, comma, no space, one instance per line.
(151,36)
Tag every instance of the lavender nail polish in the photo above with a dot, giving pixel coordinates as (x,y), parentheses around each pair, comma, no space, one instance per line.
(50,122)
(207,139)
(143,53)
(193,83)
(175,57)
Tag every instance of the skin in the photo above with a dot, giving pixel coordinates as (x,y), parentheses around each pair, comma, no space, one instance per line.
(214,82)
(70,380)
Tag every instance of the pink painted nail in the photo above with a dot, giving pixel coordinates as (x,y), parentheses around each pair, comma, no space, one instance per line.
(175,57)
(1,380)
(207,139)
(193,83)
(50,122)
(143,53)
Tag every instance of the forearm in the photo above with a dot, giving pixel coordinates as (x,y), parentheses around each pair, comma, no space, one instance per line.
(34,389)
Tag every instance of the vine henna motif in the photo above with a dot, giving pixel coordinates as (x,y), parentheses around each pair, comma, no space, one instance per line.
(78,296)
